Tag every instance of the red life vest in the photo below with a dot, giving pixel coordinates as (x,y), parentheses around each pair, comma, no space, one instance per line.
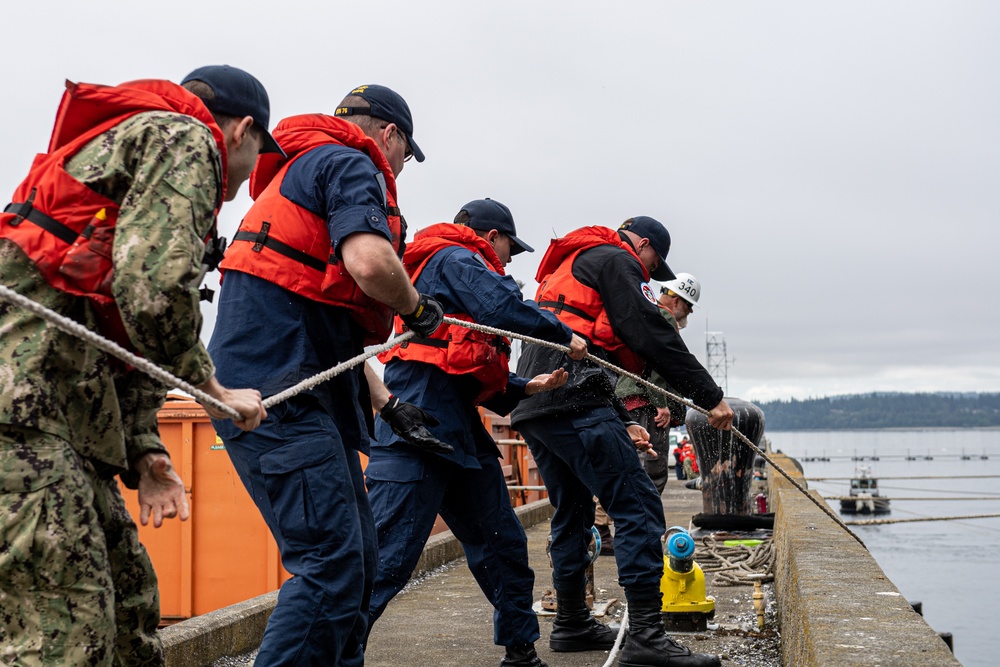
(285,244)
(577,306)
(72,228)
(454,349)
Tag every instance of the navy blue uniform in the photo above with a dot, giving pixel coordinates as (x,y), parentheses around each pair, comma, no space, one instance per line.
(578,438)
(301,466)
(408,488)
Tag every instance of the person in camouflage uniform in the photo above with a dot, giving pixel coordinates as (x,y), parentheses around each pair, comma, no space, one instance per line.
(76,586)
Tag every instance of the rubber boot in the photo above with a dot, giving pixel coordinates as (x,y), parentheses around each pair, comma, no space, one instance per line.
(522,655)
(647,643)
(575,628)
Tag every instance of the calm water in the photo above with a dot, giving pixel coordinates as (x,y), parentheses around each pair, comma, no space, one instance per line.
(953,567)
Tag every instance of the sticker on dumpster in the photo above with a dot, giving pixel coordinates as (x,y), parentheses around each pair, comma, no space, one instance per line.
(218,444)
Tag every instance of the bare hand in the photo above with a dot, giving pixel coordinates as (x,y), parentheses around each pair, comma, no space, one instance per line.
(640,438)
(721,416)
(161,491)
(247,402)
(546,382)
(577,348)
(662,418)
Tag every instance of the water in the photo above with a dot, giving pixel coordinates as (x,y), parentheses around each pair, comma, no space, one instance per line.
(950,566)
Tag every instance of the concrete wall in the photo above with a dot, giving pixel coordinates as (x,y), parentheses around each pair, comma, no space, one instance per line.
(236,629)
(836,607)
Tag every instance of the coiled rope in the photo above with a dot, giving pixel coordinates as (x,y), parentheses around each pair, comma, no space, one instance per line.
(739,565)
(75,328)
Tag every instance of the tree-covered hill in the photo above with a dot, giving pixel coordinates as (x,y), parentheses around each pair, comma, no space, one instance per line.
(883,410)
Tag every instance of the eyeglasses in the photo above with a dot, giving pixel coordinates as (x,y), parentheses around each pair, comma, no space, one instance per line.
(657,261)
(407,152)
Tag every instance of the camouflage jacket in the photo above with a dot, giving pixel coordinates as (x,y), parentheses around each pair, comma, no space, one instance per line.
(162,168)
(626,386)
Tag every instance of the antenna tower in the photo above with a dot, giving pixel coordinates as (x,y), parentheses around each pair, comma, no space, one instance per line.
(716,360)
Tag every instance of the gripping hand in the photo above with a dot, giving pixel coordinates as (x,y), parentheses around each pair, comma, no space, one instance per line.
(426,318)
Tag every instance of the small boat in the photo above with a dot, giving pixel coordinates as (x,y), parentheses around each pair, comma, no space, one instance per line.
(864,496)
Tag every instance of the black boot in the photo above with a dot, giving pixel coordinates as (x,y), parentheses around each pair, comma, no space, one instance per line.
(647,643)
(522,655)
(575,628)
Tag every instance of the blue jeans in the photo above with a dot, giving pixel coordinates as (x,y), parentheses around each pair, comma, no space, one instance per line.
(308,485)
(408,490)
(587,455)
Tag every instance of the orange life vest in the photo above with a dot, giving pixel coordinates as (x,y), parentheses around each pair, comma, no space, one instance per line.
(577,306)
(71,231)
(288,245)
(454,349)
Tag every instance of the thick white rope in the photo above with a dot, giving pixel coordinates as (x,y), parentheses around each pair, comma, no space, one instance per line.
(613,654)
(645,383)
(114,349)
(882,522)
(76,329)
(331,373)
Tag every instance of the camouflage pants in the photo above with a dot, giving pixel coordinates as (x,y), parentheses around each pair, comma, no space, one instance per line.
(71,566)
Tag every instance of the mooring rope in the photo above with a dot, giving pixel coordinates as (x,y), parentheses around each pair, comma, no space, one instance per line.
(613,654)
(75,328)
(880,522)
(894,498)
(620,371)
(331,373)
(847,479)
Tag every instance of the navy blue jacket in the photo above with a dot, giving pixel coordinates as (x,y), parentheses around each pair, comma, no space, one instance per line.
(461,282)
(271,339)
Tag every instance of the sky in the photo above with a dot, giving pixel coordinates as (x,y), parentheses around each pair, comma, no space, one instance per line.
(830,171)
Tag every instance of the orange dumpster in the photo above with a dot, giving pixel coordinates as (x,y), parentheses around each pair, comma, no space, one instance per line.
(224,553)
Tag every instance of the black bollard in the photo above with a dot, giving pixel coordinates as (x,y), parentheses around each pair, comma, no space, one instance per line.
(725,462)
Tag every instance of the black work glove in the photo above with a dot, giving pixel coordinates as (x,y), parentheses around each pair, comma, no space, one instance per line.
(426,318)
(409,422)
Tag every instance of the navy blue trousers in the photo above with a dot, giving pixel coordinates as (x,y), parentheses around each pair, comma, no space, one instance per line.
(408,491)
(589,455)
(310,489)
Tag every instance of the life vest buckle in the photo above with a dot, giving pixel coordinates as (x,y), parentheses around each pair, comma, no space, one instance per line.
(21,210)
(265,228)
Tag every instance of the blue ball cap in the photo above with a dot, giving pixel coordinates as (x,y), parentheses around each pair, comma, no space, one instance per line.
(239,94)
(659,239)
(487,214)
(386,104)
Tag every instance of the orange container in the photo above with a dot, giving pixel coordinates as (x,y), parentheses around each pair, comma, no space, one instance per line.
(224,553)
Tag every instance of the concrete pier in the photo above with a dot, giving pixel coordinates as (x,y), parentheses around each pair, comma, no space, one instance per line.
(834,605)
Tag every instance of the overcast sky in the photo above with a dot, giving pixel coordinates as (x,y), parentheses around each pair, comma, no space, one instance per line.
(829,171)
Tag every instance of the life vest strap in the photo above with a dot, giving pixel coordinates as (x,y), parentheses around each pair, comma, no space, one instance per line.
(25,211)
(498,342)
(430,342)
(262,240)
(561,305)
